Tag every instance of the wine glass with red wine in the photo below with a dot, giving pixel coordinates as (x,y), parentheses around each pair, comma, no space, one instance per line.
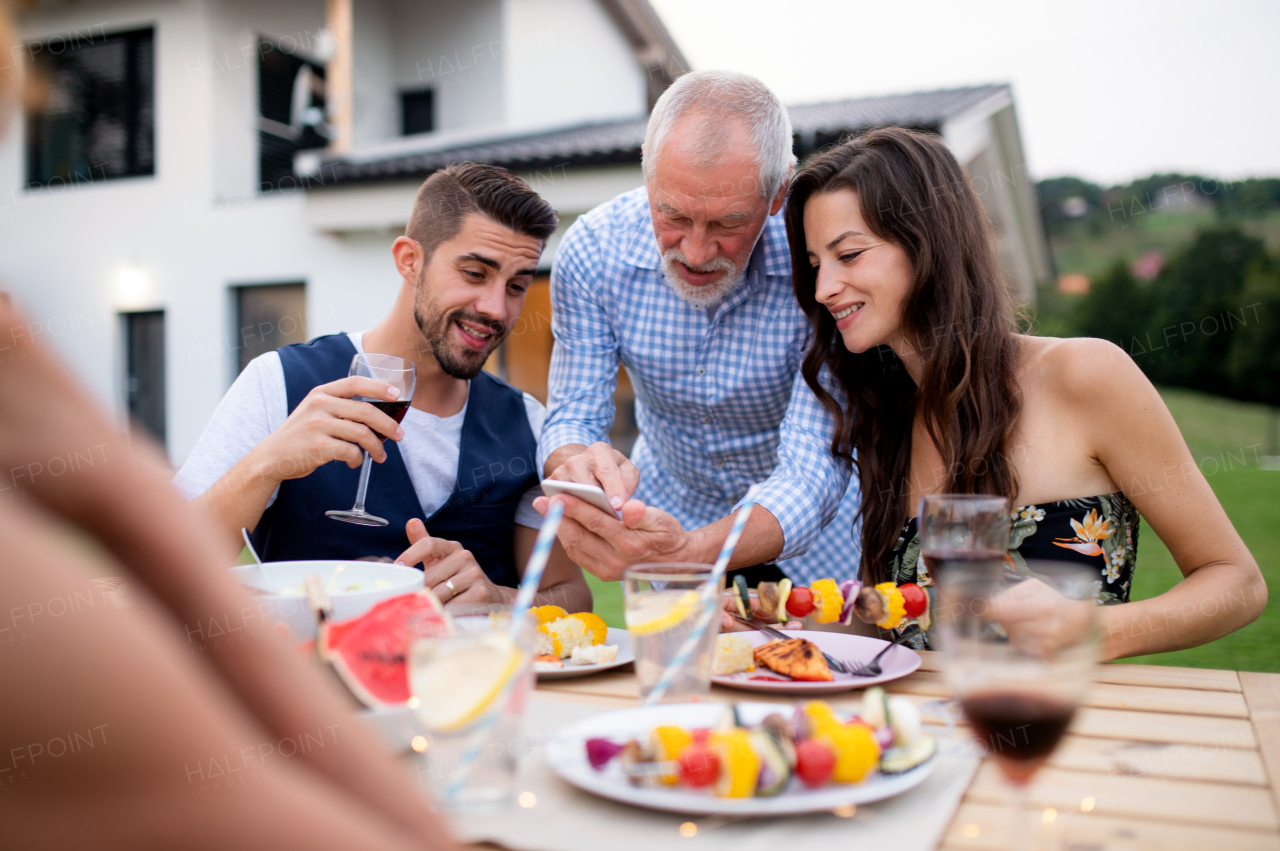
(963,529)
(400,374)
(1020,651)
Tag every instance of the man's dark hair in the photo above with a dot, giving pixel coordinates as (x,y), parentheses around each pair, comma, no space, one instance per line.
(446,197)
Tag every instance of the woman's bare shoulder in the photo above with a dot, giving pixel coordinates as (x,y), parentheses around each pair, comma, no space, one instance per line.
(1078,368)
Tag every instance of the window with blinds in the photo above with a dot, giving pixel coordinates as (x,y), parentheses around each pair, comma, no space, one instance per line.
(268,316)
(291,113)
(94,112)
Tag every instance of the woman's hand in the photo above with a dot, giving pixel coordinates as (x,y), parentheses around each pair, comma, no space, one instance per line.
(1039,621)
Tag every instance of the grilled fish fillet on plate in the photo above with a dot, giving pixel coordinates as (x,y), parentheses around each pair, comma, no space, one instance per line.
(797,658)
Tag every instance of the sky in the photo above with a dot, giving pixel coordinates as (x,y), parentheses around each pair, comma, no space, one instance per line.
(1107,90)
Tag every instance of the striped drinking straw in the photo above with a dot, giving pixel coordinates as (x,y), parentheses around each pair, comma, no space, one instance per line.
(524,598)
(709,610)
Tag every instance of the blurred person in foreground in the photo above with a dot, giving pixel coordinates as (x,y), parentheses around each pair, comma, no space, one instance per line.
(121,727)
(458,477)
(895,265)
(686,283)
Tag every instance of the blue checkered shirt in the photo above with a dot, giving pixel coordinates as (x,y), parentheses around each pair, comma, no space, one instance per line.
(720,403)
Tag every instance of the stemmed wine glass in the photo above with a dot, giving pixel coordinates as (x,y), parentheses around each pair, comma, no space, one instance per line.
(963,529)
(400,374)
(1020,651)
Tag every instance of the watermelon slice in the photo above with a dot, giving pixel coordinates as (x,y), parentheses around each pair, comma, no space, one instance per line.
(370,652)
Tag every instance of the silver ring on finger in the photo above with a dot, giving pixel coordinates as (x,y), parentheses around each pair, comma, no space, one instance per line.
(453,592)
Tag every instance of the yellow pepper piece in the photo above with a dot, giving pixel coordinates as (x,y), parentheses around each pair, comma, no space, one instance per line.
(596,627)
(820,715)
(547,614)
(668,744)
(894,606)
(827,601)
(739,763)
(855,748)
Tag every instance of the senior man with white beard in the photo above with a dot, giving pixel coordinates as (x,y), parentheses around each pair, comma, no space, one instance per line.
(686,282)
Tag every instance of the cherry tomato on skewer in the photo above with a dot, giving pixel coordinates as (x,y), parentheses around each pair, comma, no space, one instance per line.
(914,599)
(800,603)
(815,763)
(698,766)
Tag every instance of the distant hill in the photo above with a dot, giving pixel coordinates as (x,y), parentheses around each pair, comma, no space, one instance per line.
(1091,227)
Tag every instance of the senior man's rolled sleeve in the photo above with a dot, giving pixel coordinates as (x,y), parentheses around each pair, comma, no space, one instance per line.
(806,487)
(584,362)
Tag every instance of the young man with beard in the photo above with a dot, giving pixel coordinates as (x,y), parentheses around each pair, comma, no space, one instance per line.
(686,282)
(458,478)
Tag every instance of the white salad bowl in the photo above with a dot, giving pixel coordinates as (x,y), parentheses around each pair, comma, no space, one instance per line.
(354,587)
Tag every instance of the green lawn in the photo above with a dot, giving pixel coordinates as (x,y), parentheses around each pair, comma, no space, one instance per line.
(1222,433)
(1251,497)
(1225,437)
(608,601)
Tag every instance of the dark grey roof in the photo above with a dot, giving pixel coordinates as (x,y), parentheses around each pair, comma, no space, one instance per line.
(815,125)
(918,109)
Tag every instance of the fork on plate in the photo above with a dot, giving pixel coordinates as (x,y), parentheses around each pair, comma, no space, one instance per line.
(837,665)
(853,669)
(872,668)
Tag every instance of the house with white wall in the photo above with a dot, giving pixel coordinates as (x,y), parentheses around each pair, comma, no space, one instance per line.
(203,180)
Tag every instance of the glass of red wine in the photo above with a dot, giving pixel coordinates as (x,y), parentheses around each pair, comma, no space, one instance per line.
(1020,651)
(400,374)
(963,529)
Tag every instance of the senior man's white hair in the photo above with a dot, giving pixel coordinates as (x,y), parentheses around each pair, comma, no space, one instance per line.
(724,96)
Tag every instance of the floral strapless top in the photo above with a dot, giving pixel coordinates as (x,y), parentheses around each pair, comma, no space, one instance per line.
(1098,531)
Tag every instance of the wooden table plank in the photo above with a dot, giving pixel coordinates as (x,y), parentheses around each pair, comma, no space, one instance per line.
(1110,696)
(984,826)
(1122,673)
(1200,730)
(1203,679)
(1152,759)
(1262,694)
(1184,701)
(1153,798)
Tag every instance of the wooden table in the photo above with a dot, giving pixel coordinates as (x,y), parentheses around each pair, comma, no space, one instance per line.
(1156,758)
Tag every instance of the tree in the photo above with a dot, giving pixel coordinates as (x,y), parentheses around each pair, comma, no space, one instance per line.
(1247,198)
(1254,358)
(1117,308)
(1198,309)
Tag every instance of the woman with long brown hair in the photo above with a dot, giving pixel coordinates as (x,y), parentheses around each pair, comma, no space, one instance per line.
(894,263)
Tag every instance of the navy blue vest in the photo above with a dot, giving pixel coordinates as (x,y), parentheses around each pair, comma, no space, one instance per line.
(496,466)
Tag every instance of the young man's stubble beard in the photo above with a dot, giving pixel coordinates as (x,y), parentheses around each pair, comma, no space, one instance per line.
(456,362)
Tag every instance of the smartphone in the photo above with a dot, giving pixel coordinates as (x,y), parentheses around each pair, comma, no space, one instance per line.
(589,493)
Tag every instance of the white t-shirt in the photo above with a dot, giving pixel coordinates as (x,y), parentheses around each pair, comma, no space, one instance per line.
(257,404)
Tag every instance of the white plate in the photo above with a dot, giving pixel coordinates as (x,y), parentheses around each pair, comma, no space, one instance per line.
(567,756)
(626,654)
(897,663)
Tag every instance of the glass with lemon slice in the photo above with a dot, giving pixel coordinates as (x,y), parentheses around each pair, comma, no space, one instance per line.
(663,602)
(469,690)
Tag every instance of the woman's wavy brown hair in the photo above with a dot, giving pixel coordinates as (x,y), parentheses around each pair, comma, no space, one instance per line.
(957,314)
